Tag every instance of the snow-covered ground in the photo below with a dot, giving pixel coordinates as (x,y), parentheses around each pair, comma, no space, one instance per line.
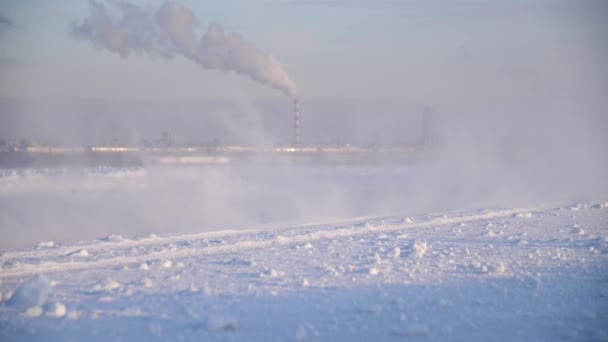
(531,274)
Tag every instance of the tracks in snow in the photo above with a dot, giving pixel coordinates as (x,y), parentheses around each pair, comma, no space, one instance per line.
(153,240)
(246,240)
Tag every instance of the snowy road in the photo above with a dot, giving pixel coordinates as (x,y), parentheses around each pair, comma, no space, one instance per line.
(506,274)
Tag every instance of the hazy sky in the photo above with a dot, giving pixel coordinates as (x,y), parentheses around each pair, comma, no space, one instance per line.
(517,91)
(420,51)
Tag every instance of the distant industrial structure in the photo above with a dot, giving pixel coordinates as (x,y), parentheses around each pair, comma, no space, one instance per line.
(135,156)
(296,122)
(168,150)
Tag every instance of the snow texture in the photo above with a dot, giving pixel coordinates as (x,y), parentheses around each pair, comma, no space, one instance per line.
(530,274)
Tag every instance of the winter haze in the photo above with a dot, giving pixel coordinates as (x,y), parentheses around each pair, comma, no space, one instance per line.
(516,92)
(500,196)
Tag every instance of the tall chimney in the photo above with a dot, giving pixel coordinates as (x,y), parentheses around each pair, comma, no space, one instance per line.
(296,123)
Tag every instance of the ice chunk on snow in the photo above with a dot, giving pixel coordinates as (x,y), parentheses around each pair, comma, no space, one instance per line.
(396,252)
(373,271)
(377,258)
(55,310)
(33,292)
(419,248)
(167,264)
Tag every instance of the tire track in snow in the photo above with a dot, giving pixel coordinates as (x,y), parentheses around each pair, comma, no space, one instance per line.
(276,240)
(105,245)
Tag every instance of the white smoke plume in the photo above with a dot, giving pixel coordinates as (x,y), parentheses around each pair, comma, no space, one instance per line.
(171,30)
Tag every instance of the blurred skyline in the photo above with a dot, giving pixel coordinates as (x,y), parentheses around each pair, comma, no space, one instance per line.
(365,71)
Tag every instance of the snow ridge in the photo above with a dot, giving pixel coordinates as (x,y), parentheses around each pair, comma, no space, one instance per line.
(250,240)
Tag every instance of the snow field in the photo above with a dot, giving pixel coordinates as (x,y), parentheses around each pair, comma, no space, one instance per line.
(516,274)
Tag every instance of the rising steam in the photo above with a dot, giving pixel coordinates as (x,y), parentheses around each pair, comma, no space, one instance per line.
(169,31)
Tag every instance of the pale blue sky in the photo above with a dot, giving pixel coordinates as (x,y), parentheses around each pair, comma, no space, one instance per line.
(419,51)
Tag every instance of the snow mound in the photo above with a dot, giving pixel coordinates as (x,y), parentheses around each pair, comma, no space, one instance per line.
(306,332)
(33,292)
(45,244)
(80,253)
(34,311)
(147,282)
(578,231)
(222,323)
(413,330)
(271,273)
(74,315)
(107,284)
(524,215)
(5,296)
(241,262)
(114,238)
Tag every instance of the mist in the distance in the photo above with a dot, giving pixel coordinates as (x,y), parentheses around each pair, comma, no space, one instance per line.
(503,104)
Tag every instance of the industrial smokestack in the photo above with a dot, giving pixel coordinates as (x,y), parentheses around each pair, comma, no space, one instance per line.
(170,30)
(296,122)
